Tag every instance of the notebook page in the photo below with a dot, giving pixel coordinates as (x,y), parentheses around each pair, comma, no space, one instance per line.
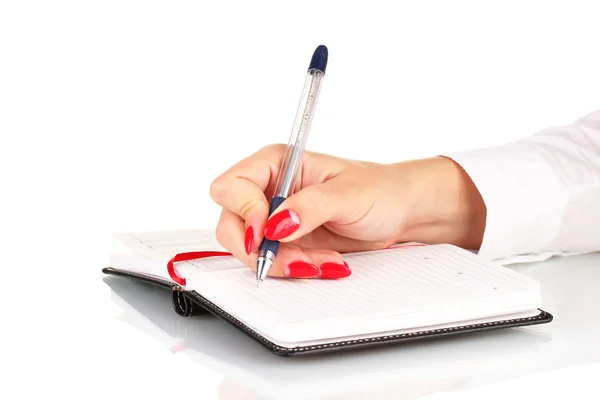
(150,251)
(165,244)
(388,290)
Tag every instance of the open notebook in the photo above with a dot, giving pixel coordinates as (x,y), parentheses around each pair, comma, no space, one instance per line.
(468,360)
(404,293)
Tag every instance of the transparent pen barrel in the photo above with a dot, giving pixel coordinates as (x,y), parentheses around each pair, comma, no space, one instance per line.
(292,160)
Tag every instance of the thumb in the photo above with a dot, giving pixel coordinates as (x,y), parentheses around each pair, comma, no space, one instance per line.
(302,212)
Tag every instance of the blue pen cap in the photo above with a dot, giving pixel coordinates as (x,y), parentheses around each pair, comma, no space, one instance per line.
(319,59)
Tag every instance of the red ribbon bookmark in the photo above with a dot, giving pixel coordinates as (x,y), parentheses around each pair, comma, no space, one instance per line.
(188,257)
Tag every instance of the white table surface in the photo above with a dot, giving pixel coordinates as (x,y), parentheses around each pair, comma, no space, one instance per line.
(114,338)
(107,110)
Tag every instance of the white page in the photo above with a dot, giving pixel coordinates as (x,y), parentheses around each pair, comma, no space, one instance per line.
(165,244)
(388,290)
(150,252)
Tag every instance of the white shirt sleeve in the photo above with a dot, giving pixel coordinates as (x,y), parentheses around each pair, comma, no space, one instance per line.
(542,193)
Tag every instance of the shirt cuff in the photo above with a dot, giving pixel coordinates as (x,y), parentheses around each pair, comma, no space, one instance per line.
(523,198)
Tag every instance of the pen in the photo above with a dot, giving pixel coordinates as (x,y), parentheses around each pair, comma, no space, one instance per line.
(292,160)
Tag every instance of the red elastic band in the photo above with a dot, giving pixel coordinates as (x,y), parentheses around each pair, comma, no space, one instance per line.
(187,257)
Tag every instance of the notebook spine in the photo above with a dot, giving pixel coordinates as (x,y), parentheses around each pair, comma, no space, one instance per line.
(184,306)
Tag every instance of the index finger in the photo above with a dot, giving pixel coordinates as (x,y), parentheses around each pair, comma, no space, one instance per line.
(241,189)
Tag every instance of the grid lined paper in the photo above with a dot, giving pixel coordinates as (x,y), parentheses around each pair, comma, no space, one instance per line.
(388,290)
(384,282)
(163,245)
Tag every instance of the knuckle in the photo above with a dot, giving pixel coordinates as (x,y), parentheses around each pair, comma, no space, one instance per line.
(218,188)
(274,148)
(246,207)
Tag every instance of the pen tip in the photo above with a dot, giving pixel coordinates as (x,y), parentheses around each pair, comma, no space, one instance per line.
(257,284)
(319,59)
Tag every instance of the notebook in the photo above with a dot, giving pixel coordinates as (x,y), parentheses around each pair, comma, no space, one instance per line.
(403,293)
(475,359)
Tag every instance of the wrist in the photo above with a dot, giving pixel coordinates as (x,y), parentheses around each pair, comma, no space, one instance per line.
(446,205)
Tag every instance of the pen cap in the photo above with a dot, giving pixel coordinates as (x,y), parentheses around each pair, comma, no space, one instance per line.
(319,59)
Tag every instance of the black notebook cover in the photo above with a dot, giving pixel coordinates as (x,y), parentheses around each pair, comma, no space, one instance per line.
(190,303)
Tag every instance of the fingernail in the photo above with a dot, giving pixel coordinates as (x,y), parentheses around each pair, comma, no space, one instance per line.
(300,269)
(332,270)
(249,239)
(282,225)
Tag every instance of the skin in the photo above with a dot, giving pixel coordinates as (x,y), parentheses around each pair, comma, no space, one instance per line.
(348,205)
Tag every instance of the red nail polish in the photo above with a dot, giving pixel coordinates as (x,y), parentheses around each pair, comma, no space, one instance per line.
(282,225)
(334,271)
(300,269)
(249,239)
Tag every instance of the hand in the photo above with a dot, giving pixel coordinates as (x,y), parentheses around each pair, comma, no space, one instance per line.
(342,205)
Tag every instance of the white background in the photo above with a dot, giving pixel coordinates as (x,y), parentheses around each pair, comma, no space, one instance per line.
(117,115)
